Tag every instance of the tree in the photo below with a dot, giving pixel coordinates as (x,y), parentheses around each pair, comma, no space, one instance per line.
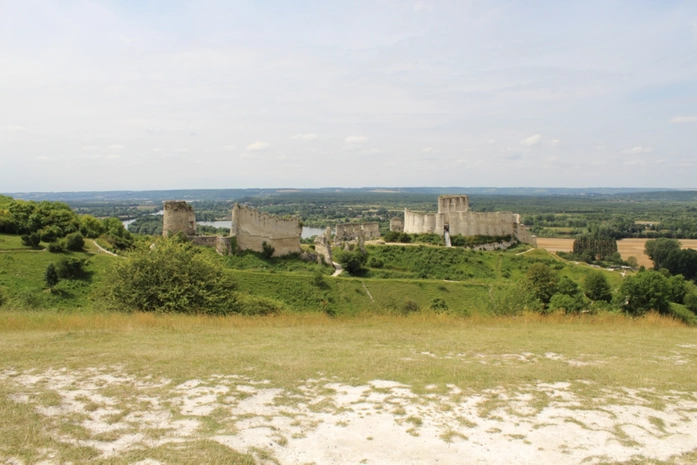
(682,262)
(596,287)
(90,226)
(541,282)
(51,276)
(691,302)
(171,276)
(31,240)
(659,249)
(645,291)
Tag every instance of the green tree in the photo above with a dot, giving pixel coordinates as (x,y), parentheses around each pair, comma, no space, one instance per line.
(171,276)
(90,226)
(659,249)
(51,276)
(691,302)
(596,287)
(541,282)
(645,291)
(267,249)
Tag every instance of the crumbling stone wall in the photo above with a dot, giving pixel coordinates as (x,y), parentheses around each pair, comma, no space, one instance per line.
(252,228)
(323,246)
(455,216)
(179,217)
(396,224)
(219,243)
(351,231)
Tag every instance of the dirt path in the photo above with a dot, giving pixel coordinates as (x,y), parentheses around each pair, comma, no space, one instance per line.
(338,269)
(102,249)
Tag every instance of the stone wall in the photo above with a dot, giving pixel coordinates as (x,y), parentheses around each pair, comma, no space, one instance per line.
(252,228)
(179,217)
(350,231)
(396,225)
(454,214)
(323,246)
(219,243)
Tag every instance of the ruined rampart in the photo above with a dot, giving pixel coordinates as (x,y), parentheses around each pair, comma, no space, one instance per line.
(454,216)
(396,224)
(351,231)
(178,217)
(252,228)
(323,246)
(219,243)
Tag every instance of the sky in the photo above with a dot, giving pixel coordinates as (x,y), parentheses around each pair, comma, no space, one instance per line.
(146,95)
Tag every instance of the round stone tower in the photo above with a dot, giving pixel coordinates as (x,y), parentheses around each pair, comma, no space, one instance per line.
(179,217)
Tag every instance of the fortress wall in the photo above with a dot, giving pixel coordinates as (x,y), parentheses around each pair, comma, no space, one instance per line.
(179,216)
(323,247)
(420,223)
(252,228)
(453,203)
(350,231)
(219,243)
(396,225)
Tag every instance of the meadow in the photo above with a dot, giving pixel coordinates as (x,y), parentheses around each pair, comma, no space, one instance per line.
(307,388)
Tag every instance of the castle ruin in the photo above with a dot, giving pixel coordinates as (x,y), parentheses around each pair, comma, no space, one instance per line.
(352,231)
(252,228)
(179,217)
(396,224)
(455,217)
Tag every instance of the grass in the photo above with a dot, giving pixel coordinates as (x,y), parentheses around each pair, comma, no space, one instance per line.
(427,351)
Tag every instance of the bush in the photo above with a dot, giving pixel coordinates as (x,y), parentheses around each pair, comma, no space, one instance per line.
(51,276)
(541,282)
(31,240)
(691,302)
(51,233)
(255,305)
(71,268)
(439,305)
(172,276)
(568,303)
(55,247)
(392,236)
(375,262)
(410,306)
(267,249)
(351,261)
(74,242)
(2,298)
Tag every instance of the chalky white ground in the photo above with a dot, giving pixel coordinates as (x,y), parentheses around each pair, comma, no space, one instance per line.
(324,421)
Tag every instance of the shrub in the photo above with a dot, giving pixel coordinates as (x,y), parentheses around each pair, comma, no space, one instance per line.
(568,303)
(31,240)
(375,262)
(691,302)
(392,236)
(172,276)
(74,242)
(410,306)
(71,268)
(541,282)
(439,305)
(267,249)
(351,261)
(51,233)
(256,305)
(51,276)
(55,247)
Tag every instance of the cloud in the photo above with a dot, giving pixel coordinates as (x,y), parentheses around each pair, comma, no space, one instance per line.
(635,162)
(430,150)
(636,150)
(532,140)
(422,6)
(116,147)
(258,147)
(43,157)
(492,141)
(554,142)
(246,155)
(355,139)
(307,137)
(88,147)
(12,128)
(683,119)
(230,147)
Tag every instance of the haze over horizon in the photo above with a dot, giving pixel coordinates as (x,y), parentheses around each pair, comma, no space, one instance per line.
(151,95)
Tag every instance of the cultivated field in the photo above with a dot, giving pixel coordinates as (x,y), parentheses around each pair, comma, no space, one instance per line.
(298,389)
(626,247)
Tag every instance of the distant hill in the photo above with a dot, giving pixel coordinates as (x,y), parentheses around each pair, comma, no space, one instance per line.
(235,194)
